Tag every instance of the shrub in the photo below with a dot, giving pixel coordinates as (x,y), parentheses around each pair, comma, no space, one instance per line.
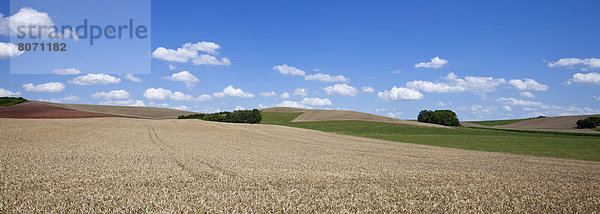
(9,101)
(442,117)
(240,116)
(590,122)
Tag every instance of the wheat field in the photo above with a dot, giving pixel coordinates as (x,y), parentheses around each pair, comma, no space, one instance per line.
(139,165)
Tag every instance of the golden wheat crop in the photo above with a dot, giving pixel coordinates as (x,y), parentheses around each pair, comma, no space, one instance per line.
(137,165)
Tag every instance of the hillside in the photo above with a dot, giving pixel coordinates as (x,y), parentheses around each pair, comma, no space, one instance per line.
(311,115)
(124,111)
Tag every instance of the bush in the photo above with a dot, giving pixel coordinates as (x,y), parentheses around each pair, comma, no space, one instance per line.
(590,122)
(240,116)
(9,101)
(442,117)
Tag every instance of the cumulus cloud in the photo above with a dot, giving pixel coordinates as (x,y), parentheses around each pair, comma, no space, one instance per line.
(66,71)
(527,94)
(302,92)
(368,89)
(292,104)
(28,16)
(157,93)
(452,83)
(507,108)
(95,79)
(518,102)
(204,97)
(326,78)
(316,101)
(285,95)
(435,62)
(128,102)
(66,99)
(9,50)
(7,93)
(190,52)
(268,94)
(51,87)
(230,91)
(528,85)
(172,67)
(289,70)
(186,77)
(584,64)
(341,89)
(132,78)
(400,93)
(589,78)
(111,95)
(163,94)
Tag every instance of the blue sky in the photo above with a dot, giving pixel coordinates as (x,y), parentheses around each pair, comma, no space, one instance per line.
(484,60)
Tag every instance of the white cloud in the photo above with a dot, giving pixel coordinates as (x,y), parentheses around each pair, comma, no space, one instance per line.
(507,108)
(204,97)
(527,94)
(95,79)
(316,101)
(190,52)
(172,67)
(230,91)
(585,64)
(67,99)
(397,71)
(111,95)
(285,95)
(440,103)
(595,97)
(302,92)
(589,78)
(179,96)
(7,93)
(394,114)
(157,93)
(28,16)
(435,62)
(434,87)
(182,107)
(290,70)
(52,87)
(132,78)
(478,85)
(292,104)
(518,102)
(528,85)
(368,89)
(9,50)
(66,71)
(129,102)
(268,94)
(326,78)
(189,79)
(238,108)
(341,89)
(400,94)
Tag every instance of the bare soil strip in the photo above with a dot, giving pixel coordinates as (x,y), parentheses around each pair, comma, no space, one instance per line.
(38,110)
(137,165)
(124,111)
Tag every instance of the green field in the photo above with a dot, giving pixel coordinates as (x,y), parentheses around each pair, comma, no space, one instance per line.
(499,122)
(559,145)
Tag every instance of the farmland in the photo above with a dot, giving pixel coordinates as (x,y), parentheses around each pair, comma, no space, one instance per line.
(140,165)
(561,145)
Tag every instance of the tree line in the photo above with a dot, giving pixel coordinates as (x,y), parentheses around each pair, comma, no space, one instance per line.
(239,116)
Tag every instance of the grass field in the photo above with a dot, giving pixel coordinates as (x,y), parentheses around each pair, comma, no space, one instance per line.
(537,144)
(499,122)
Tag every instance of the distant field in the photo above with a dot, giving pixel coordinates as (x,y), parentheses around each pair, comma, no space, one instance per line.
(499,122)
(537,144)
